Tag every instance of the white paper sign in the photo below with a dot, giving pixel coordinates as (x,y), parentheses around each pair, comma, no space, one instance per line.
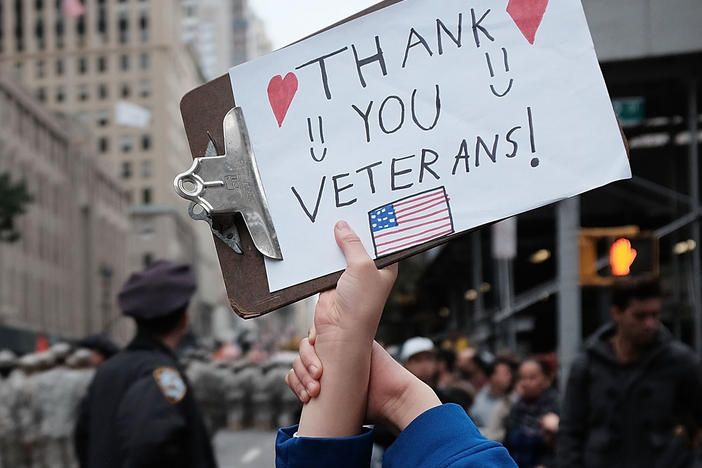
(424,119)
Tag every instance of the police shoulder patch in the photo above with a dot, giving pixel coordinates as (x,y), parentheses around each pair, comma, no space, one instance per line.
(171,384)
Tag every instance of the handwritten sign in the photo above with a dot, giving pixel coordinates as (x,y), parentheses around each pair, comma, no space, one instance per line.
(425,119)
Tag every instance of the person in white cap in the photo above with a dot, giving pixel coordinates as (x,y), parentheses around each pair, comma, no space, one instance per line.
(419,357)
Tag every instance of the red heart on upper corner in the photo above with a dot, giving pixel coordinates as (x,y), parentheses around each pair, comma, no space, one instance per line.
(281,92)
(527,15)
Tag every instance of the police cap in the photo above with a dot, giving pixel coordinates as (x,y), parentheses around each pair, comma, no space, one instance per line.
(160,289)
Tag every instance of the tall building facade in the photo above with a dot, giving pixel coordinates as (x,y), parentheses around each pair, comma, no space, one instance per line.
(121,69)
(224,33)
(56,280)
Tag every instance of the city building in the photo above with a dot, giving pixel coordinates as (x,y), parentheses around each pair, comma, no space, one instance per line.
(224,33)
(57,279)
(121,68)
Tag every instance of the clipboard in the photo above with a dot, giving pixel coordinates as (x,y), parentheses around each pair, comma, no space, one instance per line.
(203,111)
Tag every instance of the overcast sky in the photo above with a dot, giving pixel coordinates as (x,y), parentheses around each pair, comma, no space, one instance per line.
(287,21)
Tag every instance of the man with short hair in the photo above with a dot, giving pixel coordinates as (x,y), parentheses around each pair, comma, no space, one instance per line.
(140,411)
(633,391)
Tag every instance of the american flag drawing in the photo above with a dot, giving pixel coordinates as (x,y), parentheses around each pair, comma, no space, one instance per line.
(410,221)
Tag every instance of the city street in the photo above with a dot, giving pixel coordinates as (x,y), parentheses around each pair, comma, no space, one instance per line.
(249,448)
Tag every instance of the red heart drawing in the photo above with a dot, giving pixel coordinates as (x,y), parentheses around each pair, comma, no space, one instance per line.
(281,92)
(527,14)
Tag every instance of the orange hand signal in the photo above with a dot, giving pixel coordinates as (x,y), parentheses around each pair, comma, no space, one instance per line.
(621,256)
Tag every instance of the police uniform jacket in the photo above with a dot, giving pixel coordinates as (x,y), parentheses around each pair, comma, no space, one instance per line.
(139,412)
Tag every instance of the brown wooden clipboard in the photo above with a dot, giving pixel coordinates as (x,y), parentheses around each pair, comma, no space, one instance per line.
(203,110)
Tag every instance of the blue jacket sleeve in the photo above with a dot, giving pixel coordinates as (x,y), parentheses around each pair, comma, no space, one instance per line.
(307,452)
(445,437)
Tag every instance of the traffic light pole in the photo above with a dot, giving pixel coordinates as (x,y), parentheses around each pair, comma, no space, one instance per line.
(693,128)
(569,324)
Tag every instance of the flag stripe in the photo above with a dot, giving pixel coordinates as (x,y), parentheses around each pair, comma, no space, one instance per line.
(399,239)
(419,202)
(440,198)
(405,221)
(404,215)
(416,241)
(415,199)
(378,236)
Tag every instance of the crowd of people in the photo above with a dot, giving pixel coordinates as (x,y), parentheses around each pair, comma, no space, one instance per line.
(631,397)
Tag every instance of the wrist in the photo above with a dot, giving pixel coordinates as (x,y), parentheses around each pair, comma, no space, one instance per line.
(415,400)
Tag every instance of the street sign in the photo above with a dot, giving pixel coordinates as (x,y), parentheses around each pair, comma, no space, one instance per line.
(630,111)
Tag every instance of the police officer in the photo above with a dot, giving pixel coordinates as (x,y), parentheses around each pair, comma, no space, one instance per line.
(139,410)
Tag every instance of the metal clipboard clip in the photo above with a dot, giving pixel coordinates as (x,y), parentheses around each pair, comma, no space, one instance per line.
(227,184)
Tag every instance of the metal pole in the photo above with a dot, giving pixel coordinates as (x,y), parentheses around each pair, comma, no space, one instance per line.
(477,254)
(693,129)
(569,326)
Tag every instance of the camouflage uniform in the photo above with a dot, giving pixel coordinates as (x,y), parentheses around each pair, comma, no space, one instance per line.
(7,363)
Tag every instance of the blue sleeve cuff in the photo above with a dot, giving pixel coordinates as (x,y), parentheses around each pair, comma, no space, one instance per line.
(445,437)
(308,452)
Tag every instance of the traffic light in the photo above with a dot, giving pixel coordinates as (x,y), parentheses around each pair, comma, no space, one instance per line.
(609,253)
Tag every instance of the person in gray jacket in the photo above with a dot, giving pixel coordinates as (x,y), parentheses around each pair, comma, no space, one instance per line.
(633,394)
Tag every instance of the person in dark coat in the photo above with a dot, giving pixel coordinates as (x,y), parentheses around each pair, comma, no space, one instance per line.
(528,437)
(633,394)
(139,411)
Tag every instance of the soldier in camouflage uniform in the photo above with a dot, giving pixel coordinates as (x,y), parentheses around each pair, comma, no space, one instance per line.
(79,376)
(52,395)
(8,361)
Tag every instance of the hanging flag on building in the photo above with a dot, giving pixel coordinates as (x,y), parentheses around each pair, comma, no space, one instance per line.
(73,8)
(129,114)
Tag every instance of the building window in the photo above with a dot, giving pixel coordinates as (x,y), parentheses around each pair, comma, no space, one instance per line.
(59,30)
(144,88)
(39,34)
(41,94)
(41,69)
(144,28)
(104,144)
(103,118)
(124,90)
(59,67)
(146,169)
(146,142)
(82,66)
(80,30)
(60,93)
(123,28)
(103,91)
(19,21)
(18,71)
(144,61)
(148,259)
(102,64)
(125,143)
(102,20)
(84,118)
(83,93)
(146,196)
(126,170)
(124,62)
